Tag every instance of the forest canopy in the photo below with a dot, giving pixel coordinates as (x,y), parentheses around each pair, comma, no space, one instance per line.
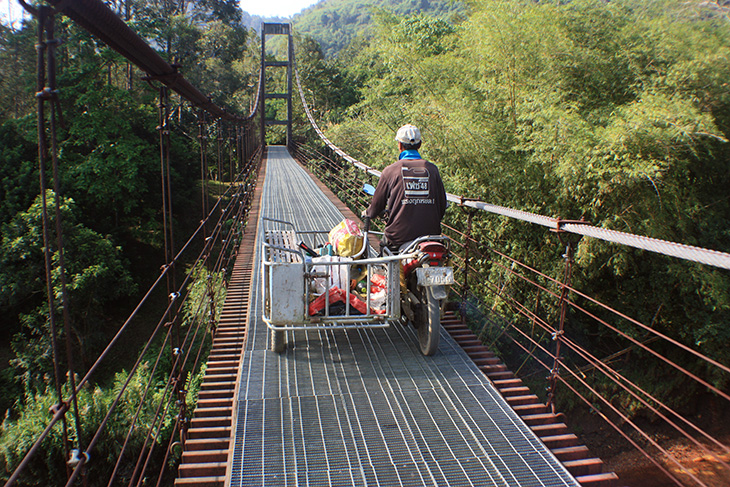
(617,112)
(108,156)
(614,112)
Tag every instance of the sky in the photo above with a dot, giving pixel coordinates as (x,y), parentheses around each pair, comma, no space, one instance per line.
(11,9)
(274,8)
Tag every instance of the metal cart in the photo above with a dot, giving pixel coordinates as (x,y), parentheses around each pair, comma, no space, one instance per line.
(302,292)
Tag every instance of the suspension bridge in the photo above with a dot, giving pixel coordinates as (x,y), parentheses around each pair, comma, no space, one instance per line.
(349,407)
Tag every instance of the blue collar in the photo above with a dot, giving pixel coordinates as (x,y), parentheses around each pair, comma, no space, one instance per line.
(409,154)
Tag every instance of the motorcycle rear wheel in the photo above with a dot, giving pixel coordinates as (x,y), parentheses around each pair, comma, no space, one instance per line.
(429,330)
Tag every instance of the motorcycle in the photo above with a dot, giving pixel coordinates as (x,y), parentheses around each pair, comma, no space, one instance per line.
(425,277)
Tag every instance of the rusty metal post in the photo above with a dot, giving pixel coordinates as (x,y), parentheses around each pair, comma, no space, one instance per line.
(219,149)
(232,153)
(203,138)
(558,334)
(465,285)
(289,71)
(262,97)
(162,113)
(50,93)
(41,98)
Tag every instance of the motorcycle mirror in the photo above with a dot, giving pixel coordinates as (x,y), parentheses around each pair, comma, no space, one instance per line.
(368,189)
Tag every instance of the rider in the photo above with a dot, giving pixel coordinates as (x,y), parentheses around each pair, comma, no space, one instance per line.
(412,191)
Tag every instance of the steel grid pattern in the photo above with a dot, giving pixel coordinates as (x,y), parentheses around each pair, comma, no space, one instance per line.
(364,407)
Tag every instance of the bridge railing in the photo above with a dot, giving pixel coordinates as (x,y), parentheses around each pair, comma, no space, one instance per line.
(536,336)
(176,345)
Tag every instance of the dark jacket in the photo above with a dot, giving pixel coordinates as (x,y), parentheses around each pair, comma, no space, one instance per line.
(413,193)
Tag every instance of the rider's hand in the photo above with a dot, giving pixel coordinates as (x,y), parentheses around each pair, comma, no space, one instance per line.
(364,213)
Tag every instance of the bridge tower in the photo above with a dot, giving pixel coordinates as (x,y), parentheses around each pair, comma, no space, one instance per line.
(277,29)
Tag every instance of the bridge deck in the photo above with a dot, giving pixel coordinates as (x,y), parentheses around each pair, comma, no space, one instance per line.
(364,407)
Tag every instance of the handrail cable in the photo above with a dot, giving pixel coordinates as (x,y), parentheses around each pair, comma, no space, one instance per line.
(148,386)
(164,270)
(605,418)
(621,333)
(133,370)
(205,252)
(682,251)
(613,375)
(183,345)
(160,323)
(620,315)
(561,225)
(623,417)
(210,242)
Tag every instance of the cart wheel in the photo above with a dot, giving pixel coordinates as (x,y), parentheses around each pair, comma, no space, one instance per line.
(430,330)
(277,341)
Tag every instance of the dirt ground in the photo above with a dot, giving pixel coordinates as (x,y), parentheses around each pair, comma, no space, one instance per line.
(635,470)
(694,466)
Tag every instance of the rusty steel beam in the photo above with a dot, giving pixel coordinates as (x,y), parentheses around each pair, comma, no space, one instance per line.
(102,22)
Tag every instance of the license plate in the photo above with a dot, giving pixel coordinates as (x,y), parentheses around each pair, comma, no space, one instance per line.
(435,276)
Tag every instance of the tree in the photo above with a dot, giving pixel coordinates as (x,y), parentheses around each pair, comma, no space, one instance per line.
(96,275)
(615,111)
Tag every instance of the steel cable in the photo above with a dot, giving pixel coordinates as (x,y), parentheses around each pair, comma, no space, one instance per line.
(612,374)
(672,249)
(621,315)
(679,250)
(101,21)
(606,419)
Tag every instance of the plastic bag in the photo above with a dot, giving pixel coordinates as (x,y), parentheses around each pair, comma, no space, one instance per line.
(346,238)
(337,295)
(337,273)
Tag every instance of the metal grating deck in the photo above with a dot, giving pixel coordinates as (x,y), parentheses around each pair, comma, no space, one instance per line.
(364,407)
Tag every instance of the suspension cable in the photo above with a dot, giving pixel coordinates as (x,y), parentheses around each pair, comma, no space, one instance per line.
(649,401)
(41,46)
(672,249)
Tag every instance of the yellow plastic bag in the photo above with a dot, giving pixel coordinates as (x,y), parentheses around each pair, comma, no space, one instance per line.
(346,238)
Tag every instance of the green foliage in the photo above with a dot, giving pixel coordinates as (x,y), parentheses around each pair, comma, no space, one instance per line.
(111,168)
(422,35)
(18,170)
(48,467)
(17,72)
(206,296)
(337,23)
(328,86)
(612,111)
(96,274)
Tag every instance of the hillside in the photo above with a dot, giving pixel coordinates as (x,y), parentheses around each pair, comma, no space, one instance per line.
(254,21)
(335,23)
